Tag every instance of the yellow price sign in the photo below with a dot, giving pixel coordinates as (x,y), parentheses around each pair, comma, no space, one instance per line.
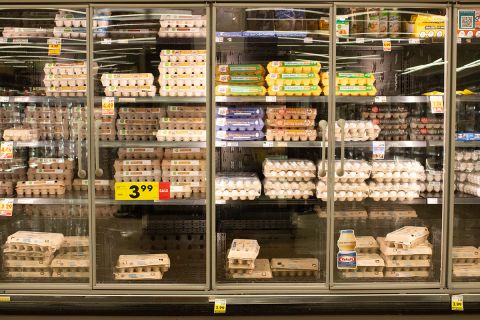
(387,45)
(436,104)
(6,207)
(6,150)
(220,306)
(108,106)
(54,49)
(136,191)
(457,302)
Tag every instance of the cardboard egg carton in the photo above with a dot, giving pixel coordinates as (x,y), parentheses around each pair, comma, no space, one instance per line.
(397,166)
(127,79)
(135,274)
(75,245)
(14,174)
(66,68)
(367,245)
(466,270)
(184,165)
(40,188)
(182,91)
(385,212)
(6,188)
(70,33)
(243,252)
(136,135)
(367,264)
(28,272)
(64,175)
(290,123)
(407,273)
(100,185)
(63,19)
(141,113)
(182,135)
(291,135)
(137,165)
(296,267)
(12,260)
(51,163)
(140,153)
(53,211)
(196,187)
(421,251)
(344,212)
(183,123)
(181,80)
(406,264)
(241,268)
(465,254)
(407,237)
(352,273)
(138,176)
(182,21)
(185,153)
(66,91)
(35,243)
(21,134)
(274,113)
(66,272)
(182,68)
(261,270)
(182,55)
(186,112)
(141,267)
(137,124)
(71,266)
(182,32)
(13,32)
(50,113)
(131,91)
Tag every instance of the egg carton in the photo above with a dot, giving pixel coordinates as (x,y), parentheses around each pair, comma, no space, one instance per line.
(425,122)
(183,21)
(64,80)
(240,124)
(15,174)
(240,135)
(188,68)
(236,194)
(66,91)
(312,90)
(467,166)
(169,83)
(356,130)
(261,271)
(16,261)
(66,68)
(406,264)
(130,91)
(72,262)
(289,194)
(6,188)
(431,187)
(279,113)
(196,186)
(180,191)
(240,90)
(185,153)
(183,176)
(183,91)
(473,155)
(397,166)
(240,79)
(302,165)
(403,191)
(12,32)
(344,195)
(138,176)
(70,33)
(287,185)
(106,211)
(57,135)
(354,91)
(137,125)
(291,123)
(240,69)
(350,78)
(49,174)
(20,134)
(140,153)
(290,135)
(183,32)
(420,252)
(51,163)
(426,137)
(66,272)
(240,269)
(127,79)
(391,124)
(28,272)
(183,55)
(466,270)
(465,254)
(240,112)
(100,185)
(60,211)
(353,273)
(292,79)
(186,112)
(138,275)
(344,212)
(184,165)
(366,245)
(289,175)
(136,135)
(70,20)
(183,124)
(369,263)
(354,171)
(141,113)
(137,165)
(143,260)
(382,212)
(33,242)
(40,188)
(295,267)
(294,66)
(75,244)
(393,135)
(243,251)
(473,178)
(382,114)
(407,237)
(407,269)
(346,187)
(182,135)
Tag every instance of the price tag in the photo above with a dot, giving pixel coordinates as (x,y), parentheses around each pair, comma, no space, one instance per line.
(54,49)
(137,191)
(6,150)
(457,302)
(360,40)
(432,200)
(378,150)
(436,104)
(4,99)
(232,144)
(218,39)
(308,40)
(220,306)
(380,99)
(108,106)
(221,144)
(4,299)
(54,40)
(270,99)
(387,45)
(21,99)
(21,40)
(414,41)
(6,207)
(268,144)
(221,98)
(282,144)
(106,41)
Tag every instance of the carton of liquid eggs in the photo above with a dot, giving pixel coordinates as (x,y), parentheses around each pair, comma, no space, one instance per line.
(183,20)
(70,20)
(66,68)
(182,91)
(127,79)
(354,171)
(237,186)
(187,68)
(183,55)
(275,189)
(290,170)
(130,91)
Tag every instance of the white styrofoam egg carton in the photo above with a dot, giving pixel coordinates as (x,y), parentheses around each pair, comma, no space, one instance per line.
(130,91)
(127,79)
(182,32)
(68,32)
(237,185)
(182,68)
(185,91)
(183,55)
(70,20)
(183,21)
(65,80)
(344,191)
(182,80)
(66,68)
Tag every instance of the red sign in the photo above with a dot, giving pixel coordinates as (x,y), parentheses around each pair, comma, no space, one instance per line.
(164,191)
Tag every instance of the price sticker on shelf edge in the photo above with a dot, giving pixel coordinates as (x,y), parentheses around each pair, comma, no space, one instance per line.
(6,150)
(220,306)
(108,106)
(54,46)
(380,99)
(133,191)
(387,45)
(6,207)
(457,302)
(270,98)
(378,149)
(436,104)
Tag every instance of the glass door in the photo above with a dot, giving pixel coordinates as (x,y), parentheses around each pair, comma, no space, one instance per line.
(151,163)
(270,227)
(390,129)
(43,207)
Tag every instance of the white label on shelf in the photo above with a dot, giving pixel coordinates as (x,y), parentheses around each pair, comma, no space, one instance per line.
(413,41)
(436,104)
(4,99)
(232,144)
(6,207)
(459,40)
(54,40)
(126,99)
(379,99)
(308,40)
(268,144)
(387,45)
(378,148)
(21,99)
(359,40)
(20,40)
(122,41)
(221,98)
(271,99)
(218,39)
(432,200)
(107,41)
(282,144)
(221,144)
(457,302)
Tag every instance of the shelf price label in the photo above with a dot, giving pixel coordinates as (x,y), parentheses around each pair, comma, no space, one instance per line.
(108,106)
(220,306)
(380,99)
(54,47)
(135,191)
(378,150)
(6,150)
(270,98)
(457,302)
(387,45)
(6,207)
(436,104)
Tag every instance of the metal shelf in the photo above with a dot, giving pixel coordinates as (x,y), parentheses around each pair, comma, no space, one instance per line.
(318,144)
(324,99)
(467,144)
(472,98)
(67,200)
(156,99)
(465,198)
(173,202)
(42,99)
(151,144)
(45,144)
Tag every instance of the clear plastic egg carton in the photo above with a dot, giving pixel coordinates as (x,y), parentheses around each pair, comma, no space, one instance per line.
(21,134)
(176,82)
(6,188)
(344,191)
(391,124)
(426,123)
(50,131)
(434,175)
(291,135)
(354,171)
(295,267)
(237,186)
(430,187)
(393,191)
(136,135)
(44,113)
(184,165)
(70,20)
(127,79)
(391,212)
(186,112)
(467,155)
(138,176)
(356,130)
(180,191)
(14,174)
(141,113)
(473,178)
(66,91)
(75,244)
(130,91)
(369,265)
(12,32)
(367,245)
(239,124)
(182,124)
(35,243)
(182,32)
(183,21)
(17,261)
(384,112)
(278,113)
(468,188)
(64,80)
(70,33)
(181,177)
(291,123)
(397,171)
(182,91)
(344,212)
(140,153)
(289,170)
(137,124)
(407,237)
(275,189)
(189,68)
(465,254)
(100,185)
(137,165)
(183,55)
(466,270)
(185,153)
(182,135)
(65,68)
(40,188)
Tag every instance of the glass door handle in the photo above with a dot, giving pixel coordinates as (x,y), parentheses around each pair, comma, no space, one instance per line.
(81,172)
(340,171)
(323,126)
(98,170)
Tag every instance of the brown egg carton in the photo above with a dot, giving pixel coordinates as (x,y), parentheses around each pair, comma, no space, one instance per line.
(180,191)
(6,188)
(367,245)
(100,185)
(384,115)
(66,272)
(465,254)
(183,176)
(352,273)
(291,135)
(184,165)
(291,113)
(291,123)
(140,153)
(181,135)
(52,211)
(152,275)
(137,165)
(186,112)
(51,163)
(141,113)
(466,270)
(294,267)
(40,188)
(74,244)
(136,135)
(421,251)
(32,241)
(412,263)
(407,237)
(137,124)
(138,176)
(46,113)
(14,175)
(185,153)
(64,175)
(261,271)
(19,134)
(183,124)
(18,261)
(28,272)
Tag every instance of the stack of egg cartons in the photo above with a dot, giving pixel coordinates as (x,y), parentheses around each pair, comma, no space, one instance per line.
(293,78)
(295,267)
(392,120)
(239,123)
(426,128)
(351,185)
(128,84)
(106,130)
(396,180)
(70,25)
(183,123)
(291,124)
(142,267)
(348,212)
(351,83)
(467,167)
(356,130)
(237,186)
(29,254)
(182,26)
(66,79)
(289,179)
(73,259)
(138,124)
(466,261)
(407,253)
(11,171)
(51,170)
(185,169)
(13,32)
(240,80)
(182,73)
(52,123)
(137,170)
(369,263)
(242,255)
(433,181)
